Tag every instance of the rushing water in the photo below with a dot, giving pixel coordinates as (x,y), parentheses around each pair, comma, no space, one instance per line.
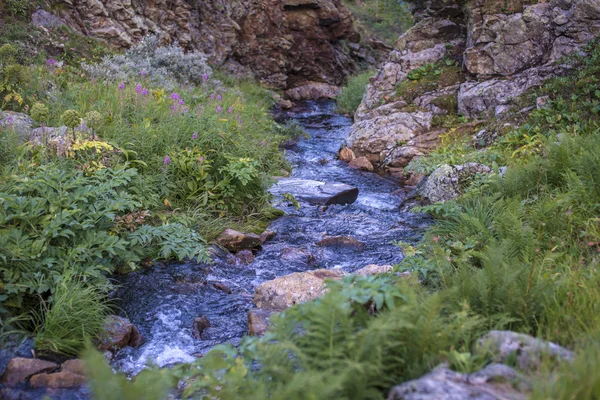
(164,300)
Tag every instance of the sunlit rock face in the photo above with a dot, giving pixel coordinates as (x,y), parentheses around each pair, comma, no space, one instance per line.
(499,50)
(291,45)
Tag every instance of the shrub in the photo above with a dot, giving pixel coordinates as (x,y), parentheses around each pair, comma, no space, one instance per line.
(352,94)
(164,66)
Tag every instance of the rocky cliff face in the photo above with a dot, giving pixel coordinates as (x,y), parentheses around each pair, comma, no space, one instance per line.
(294,45)
(470,60)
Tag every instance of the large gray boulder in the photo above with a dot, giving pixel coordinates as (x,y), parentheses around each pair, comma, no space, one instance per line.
(528,351)
(18,122)
(445,182)
(495,382)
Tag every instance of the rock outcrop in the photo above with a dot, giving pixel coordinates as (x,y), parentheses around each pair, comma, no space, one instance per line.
(471,60)
(291,45)
(494,382)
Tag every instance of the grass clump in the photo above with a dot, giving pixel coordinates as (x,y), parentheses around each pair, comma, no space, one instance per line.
(351,96)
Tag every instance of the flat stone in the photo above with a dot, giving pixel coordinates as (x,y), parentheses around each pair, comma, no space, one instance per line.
(57,380)
(286,291)
(258,321)
(75,366)
(236,241)
(19,369)
(316,192)
(342,241)
(119,332)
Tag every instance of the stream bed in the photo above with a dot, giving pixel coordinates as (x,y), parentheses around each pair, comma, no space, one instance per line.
(163,301)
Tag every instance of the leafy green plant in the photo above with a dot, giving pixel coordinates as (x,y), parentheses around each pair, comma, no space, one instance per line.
(150,384)
(169,241)
(351,95)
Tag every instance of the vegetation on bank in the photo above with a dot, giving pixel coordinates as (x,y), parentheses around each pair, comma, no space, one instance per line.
(385,19)
(352,93)
(153,162)
(518,251)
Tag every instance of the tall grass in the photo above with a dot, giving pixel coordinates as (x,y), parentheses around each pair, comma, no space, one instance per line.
(75,315)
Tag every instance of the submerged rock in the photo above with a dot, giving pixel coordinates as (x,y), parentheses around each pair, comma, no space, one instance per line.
(236,241)
(19,369)
(316,192)
(296,255)
(199,325)
(495,382)
(119,332)
(342,241)
(289,290)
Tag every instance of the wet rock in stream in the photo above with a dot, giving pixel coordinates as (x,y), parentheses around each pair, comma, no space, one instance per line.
(317,193)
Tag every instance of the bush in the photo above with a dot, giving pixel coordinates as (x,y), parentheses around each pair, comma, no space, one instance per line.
(165,66)
(352,94)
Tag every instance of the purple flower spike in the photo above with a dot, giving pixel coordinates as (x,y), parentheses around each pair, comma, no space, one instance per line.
(200,159)
(219,109)
(51,62)
(212,96)
(205,77)
(138,88)
(144,72)
(167,160)
(230,110)
(175,96)
(181,102)
(194,135)
(174,107)
(219,98)
(144,92)
(122,86)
